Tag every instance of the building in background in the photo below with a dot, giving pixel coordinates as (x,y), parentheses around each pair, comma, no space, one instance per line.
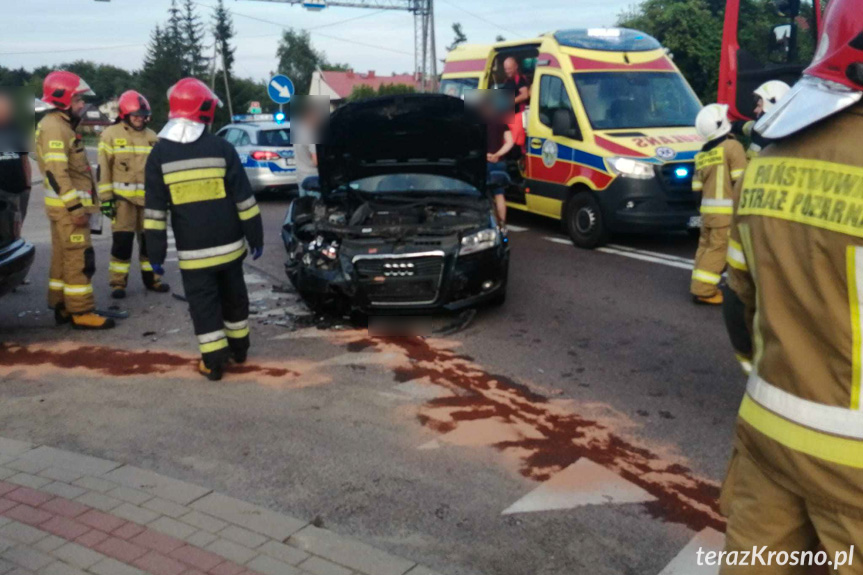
(339,85)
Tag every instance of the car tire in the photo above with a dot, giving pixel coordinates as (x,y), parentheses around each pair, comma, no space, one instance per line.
(584,222)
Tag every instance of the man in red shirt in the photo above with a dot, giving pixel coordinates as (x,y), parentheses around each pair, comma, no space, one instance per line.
(517,83)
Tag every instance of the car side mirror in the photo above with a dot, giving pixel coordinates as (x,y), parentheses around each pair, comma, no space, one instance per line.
(498,179)
(563,124)
(312,184)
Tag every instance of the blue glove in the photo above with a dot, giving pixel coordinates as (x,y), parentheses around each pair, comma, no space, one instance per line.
(158,269)
(257,252)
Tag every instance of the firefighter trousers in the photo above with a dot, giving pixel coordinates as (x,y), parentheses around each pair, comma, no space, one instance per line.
(219,305)
(128,225)
(73,264)
(763,513)
(709,261)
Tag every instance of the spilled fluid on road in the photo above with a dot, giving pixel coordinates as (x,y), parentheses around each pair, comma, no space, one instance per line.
(544,436)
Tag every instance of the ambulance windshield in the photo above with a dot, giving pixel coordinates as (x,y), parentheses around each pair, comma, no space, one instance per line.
(616,100)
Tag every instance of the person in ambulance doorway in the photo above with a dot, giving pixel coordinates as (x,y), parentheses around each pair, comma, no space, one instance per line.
(719,164)
(766,96)
(796,474)
(199,179)
(69,202)
(123,152)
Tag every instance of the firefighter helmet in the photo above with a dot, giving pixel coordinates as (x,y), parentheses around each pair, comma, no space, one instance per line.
(771,92)
(133,103)
(834,80)
(191,99)
(60,87)
(712,122)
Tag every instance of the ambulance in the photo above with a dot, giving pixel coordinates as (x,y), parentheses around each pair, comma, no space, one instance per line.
(610,141)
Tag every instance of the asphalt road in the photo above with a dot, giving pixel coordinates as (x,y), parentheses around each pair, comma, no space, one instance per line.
(583,427)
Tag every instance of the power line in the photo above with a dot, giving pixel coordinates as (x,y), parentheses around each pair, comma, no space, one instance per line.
(484,19)
(72,50)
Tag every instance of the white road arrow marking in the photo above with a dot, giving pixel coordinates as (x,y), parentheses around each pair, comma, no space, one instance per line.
(284,91)
(513,228)
(686,561)
(582,483)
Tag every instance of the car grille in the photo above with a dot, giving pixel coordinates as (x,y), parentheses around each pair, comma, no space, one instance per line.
(400,280)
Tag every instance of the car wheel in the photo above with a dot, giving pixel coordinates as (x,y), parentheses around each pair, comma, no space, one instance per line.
(584,222)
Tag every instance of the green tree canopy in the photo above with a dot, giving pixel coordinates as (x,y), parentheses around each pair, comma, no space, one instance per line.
(298,59)
(364,92)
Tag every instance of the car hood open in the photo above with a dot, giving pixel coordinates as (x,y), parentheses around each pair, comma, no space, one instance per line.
(416,133)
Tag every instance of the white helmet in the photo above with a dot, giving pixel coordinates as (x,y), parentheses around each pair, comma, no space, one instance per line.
(771,92)
(712,122)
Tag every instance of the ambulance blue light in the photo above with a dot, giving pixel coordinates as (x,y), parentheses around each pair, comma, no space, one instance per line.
(681,172)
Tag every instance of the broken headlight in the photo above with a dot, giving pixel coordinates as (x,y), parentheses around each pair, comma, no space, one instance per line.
(479,241)
(321,253)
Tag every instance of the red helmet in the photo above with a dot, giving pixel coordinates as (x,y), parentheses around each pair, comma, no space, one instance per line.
(60,87)
(193,100)
(133,103)
(840,51)
(834,80)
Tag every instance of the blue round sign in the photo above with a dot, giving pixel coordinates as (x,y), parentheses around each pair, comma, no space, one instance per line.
(281,89)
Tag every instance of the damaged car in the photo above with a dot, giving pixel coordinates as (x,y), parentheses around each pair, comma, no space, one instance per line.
(402,218)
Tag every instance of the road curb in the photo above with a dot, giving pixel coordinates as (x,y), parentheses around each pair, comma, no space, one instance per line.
(63,512)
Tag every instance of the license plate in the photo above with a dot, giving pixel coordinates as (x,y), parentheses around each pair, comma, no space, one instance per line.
(286,163)
(694,222)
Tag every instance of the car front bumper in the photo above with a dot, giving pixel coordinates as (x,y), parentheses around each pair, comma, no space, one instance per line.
(15,262)
(639,206)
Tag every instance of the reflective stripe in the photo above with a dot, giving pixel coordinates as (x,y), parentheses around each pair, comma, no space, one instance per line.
(735,257)
(119,267)
(697,185)
(129,193)
(55,158)
(77,290)
(155,224)
(54,202)
(133,150)
(156,214)
(712,206)
(720,182)
(735,174)
(237,324)
(250,213)
(195,164)
(105,187)
(215,346)
(706,277)
(854,261)
(246,204)
(128,187)
(146,267)
(211,337)
(103,147)
(816,416)
(237,333)
(211,252)
(56,284)
(213,261)
(757,338)
(70,195)
(831,448)
(189,175)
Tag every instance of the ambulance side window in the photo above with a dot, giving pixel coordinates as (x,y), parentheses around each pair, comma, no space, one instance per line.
(552,97)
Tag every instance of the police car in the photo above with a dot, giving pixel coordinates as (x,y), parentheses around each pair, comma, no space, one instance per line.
(263,142)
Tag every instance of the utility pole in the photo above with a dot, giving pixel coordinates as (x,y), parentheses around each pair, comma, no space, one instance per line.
(227,88)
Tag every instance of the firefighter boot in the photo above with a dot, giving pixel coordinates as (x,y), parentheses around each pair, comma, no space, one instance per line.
(715,299)
(61,316)
(91,321)
(158,286)
(213,374)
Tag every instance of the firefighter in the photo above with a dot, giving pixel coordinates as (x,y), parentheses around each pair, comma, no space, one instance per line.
(766,96)
(719,164)
(69,202)
(123,153)
(199,179)
(796,474)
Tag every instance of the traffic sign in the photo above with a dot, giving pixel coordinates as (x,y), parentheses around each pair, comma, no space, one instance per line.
(281,89)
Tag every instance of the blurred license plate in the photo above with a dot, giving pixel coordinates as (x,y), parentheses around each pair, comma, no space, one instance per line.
(694,222)
(285,162)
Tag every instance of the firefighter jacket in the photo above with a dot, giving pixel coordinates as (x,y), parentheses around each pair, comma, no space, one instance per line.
(717,166)
(63,161)
(796,261)
(204,187)
(123,153)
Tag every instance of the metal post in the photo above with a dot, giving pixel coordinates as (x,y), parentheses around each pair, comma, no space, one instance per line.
(433,48)
(227,88)
(213,75)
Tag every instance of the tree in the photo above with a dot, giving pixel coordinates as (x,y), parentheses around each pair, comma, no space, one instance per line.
(195,63)
(223,32)
(364,92)
(459,39)
(499,38)
(161,70)
(298,59)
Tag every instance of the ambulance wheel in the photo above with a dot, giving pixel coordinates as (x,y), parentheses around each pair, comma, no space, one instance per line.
(583,221)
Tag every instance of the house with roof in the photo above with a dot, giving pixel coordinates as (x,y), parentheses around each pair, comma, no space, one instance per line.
(339,85)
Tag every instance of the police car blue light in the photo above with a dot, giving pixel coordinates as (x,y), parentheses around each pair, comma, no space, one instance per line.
(280,117)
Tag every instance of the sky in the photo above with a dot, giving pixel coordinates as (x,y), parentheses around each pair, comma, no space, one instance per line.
(50,32)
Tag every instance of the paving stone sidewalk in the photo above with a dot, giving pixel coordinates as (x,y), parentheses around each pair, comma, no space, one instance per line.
(67,514)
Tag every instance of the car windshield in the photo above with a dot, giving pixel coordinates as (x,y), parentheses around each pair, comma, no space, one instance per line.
(616,100)
(457,87)
(413,184)
(280,137)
